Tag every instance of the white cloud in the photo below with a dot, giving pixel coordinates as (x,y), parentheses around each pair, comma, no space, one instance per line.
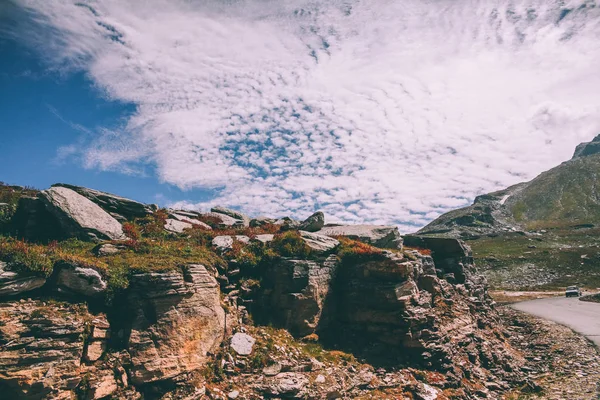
(379,111)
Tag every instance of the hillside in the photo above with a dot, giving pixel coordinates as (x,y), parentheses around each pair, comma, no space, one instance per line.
(537,234)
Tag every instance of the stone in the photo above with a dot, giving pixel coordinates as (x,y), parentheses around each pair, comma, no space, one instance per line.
(176,226)
(14,283)
(177,322)
(222,243)
(80,217)
(387,237)
(242,343)
(94,350)
(273,369)
(233,214)
(261,221)
(587,148)
(286,384)
(102,385)
(187,217)
(225,221)
(119,207)
(313,223)
(233,394)
(319,243)
(320,379)
(287,223)
(80,280)
(107,249)
(264,238)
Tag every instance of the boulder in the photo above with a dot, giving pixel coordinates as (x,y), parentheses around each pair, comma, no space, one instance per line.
(264,238)
(313,223)
(319,243)
(119,207)
(287,223)
(107,249)
(189,218)
(260,221)
(242,344)
(222,243)
(387,237)
(177,321)
(286,385)
(13,283)
(225,221)
(176,226)
(80,217)
(232,213)
(83,281)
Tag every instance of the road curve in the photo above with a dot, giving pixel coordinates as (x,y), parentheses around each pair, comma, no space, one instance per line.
(582,317)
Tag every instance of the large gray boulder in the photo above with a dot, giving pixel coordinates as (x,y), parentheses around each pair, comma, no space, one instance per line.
(224,220)
(313,223)
(80,217)
(233,214)
(119,207)
(319,243)
(386,237)
(13,283)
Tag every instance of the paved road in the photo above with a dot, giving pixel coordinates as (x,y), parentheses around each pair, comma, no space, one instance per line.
(583,317)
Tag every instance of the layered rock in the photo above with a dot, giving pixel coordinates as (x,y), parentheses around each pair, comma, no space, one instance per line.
(74,279)
(313,223)
(14,283)
(245,220)
(387,237)
(42,346)
(80,217)
(177,321)
(119,207)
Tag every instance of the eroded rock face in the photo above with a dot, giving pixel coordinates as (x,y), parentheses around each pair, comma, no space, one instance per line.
(387,237)
(119,207)
(313,223)
(245,220)
(42,347)
(319,243)
(80,217)
(178,319)
(295,292)
(74,279)
(588,148)
(13,283)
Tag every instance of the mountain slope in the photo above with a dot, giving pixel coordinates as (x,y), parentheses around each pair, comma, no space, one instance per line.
(541,233)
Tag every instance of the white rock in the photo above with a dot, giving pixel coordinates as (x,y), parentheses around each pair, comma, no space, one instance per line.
(176,226)
(320,379)
(222,242)
(319,243)
(264,238)
(377,235)
(233,394)
(242,343)
(85,281)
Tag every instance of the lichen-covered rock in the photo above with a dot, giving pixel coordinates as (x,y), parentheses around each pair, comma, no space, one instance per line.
(313,223)
(387,237)
(242,343)
(41,348)
(319,243)
(225,221)
(80,217)
(189,218)
(178,320)
(119,207)
(264,238)
(286,385)
(176,226)
(13,283)
(287,223)
(261,221)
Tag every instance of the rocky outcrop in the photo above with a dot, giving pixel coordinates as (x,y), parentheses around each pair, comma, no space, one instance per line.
(387,237)
(189,218)
(261,221)
(223,220)
(42,347)
(176,226)
(14,283)
(119,207)
(245,220)
(177,321)
(80,217)
(313,223)
(295,293)
(587,148)
(76,280)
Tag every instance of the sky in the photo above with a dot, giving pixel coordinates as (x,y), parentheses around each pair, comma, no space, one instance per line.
(372,111)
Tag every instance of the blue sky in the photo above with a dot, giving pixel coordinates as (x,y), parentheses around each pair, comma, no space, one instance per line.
(42,110)
(372,111)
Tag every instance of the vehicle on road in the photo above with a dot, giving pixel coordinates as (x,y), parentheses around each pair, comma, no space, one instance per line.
(572,291)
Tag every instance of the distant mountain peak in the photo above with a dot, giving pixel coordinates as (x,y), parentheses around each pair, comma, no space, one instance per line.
(587,148)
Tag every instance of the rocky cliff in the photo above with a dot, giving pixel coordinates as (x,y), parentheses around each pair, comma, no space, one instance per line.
(104,297)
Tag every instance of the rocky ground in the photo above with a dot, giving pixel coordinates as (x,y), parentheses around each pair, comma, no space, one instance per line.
(560,363)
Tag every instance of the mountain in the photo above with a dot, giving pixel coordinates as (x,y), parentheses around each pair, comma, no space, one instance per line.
(537,234)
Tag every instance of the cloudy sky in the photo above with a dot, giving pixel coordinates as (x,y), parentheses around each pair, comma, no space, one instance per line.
(372,111)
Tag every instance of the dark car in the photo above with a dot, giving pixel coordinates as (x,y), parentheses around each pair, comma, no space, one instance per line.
(573,291)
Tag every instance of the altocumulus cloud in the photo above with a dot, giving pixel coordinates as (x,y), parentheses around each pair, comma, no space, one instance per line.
(378,111)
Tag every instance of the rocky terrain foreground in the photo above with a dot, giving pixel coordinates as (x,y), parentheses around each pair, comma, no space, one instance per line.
(541,234)
(105,297)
